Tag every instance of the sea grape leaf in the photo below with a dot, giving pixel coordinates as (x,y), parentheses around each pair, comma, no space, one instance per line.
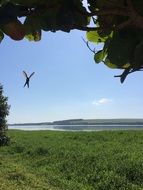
(93,36)
(14,30)
(91,5)
(113,66)
(64,17)
(80,19)
(3,2)
(138,55)
(1,36)
(127,65)
(8,13)
(109,3)
(100,55)
(31,2)
(138,5)
(32,23)
(33,28)
(120,50)
(109,64)
(49,19)
(34,36)
(68,17)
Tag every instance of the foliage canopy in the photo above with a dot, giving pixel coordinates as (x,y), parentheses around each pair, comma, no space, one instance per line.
(118,25)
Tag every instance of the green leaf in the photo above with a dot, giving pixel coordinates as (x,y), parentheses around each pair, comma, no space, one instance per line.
(109,64)
(114,66)
(35,36)
(99,56)
(32,27)
(120,50)
(93,36)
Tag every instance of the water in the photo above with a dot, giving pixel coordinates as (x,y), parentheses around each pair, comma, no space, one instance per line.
(77,127)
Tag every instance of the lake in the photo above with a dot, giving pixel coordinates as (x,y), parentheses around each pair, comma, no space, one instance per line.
(77,127)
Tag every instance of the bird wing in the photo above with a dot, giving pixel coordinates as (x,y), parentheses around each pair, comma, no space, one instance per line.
(25,74)
(31,74)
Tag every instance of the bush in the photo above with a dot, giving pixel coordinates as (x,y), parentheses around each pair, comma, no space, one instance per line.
(4,111)
(4,140)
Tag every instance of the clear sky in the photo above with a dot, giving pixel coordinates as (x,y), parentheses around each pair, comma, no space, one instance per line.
(67,83)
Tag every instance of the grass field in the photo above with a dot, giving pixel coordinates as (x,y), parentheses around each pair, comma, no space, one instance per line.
(48,160)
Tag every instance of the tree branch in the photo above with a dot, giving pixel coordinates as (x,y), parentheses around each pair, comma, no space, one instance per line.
(87,44)
(135,18)
(130,5)
(85,28)
(126,72)
(124,24)
(119,12)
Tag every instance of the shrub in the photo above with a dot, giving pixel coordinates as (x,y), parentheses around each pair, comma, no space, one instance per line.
(4,111)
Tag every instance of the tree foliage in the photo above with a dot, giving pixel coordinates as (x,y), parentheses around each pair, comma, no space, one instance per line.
(4,111)
(118,25)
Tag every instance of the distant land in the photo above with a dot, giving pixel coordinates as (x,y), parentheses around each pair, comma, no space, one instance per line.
(88,122)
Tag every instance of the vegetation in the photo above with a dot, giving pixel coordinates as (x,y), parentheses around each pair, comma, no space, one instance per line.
(118,25)
(72,160)
(4,111)
(97,122)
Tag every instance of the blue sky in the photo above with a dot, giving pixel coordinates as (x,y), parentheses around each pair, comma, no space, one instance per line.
(67,83)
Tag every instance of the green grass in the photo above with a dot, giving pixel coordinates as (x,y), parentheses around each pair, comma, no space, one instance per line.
(48,160)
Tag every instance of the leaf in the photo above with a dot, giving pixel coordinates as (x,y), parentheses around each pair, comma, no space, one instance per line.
(138,55)
(80,20)
(14,29)
(33,28)
(3,2)
(109,64)
(91,5)
(35,36)
(93,36)
(109,3)
(1,36)
(127,65)
(120,50)
(8,13)
(99,56)
(138,6)
(31,2)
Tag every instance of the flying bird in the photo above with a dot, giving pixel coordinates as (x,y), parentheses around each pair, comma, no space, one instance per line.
(27,78)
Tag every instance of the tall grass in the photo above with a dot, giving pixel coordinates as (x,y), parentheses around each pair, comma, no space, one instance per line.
(72,161)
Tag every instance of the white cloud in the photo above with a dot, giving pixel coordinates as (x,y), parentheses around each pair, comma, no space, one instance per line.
(101,101)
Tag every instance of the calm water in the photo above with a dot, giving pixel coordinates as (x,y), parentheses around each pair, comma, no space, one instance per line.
(76,127)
